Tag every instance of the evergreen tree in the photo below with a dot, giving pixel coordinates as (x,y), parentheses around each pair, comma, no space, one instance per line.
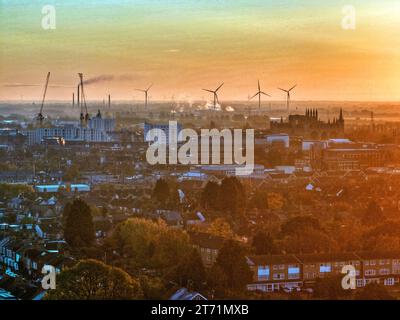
(78,228)
(210,196)
(190,273)
(161,192)
(263,243)
(232,195)
(232,262)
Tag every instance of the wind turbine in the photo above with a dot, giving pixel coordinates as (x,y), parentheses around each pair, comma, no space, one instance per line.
(259,93)
(214,92)
(288,96)
(146,95)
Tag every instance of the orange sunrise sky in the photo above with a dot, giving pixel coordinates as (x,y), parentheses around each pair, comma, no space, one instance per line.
(184,46)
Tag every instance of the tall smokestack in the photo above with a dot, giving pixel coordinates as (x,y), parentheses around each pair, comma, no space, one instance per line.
(78,100)
(109,101)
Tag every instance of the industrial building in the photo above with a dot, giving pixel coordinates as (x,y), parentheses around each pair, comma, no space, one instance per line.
(98,129)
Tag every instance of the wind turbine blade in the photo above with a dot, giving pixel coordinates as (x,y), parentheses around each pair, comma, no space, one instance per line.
(141,90)
(265,94)
(208,90)
(219,87)
(259,88)
(255,95)
(292,87)
(149,87)
(283,90)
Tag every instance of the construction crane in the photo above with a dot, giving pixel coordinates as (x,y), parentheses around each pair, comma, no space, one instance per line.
(40,117)
(84,118)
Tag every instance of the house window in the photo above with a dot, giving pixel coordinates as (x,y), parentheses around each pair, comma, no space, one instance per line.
(325,267)
(279,276)
(263,273)
(389,282)
(384,271)
(396,270)
(370,272)
(293,272)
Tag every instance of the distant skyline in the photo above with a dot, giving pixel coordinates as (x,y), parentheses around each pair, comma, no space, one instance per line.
(183,46)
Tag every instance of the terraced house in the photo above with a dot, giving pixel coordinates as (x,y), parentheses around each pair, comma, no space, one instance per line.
(22,257)
(275,272)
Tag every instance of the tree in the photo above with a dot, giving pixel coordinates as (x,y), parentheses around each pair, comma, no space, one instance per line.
(309,240)
(217,282)
(228,196)
(210,196)
(78,228)
(161,192)
(232,195)
(263,243)
(71,174)
(13,190)
(174,199)
(94,280)
(233,264)
(153,287)
(259,200)
(150,244)
(275,201)
(298,224)
(221,228)
(165,195)
(190,272)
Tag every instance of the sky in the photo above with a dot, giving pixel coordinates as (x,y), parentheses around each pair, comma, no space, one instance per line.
(182,46)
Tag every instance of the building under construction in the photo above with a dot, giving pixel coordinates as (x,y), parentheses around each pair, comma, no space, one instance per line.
(98,129)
